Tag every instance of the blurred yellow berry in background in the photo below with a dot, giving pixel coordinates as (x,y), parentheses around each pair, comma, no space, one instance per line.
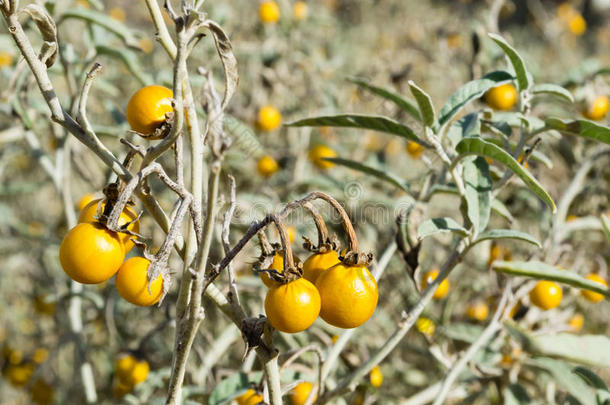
(249,398)
(146,45)
(18,375)
(334,338)
(317,155)
(40,355)
(414,149)
(576,322)
(376,377)
(299,10)
(593,296)
(577,25)
(477,311)
(117,13)
(546,295)
(298,395)
(269,12)
(130,370)
(597,109)
(41,393)
(269,118)
(5,59)
(267,166)
(443,287)
(425,325)
(503,97)
(44,306)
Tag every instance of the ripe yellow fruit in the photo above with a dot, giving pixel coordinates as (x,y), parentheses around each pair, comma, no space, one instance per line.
(477,311)
(269,118)
(292,307)
(5,59)
(278,265)
(546,295)
(299,394)
(577,24)
(576,322)
(425,325)
(18,375)
(503,97)
(443,287)
(131,371)
(40,355)
(349,295)
(90,253)
(376,377)
(318,263)
(249,398)
(41,393)
(597,109)
(593,296)
(414,149)
(267,166)
(299,10)
(132,283)
(89,212)
(269,12)
(117,13)
(84,201)
(318,153)
(292,233)
(146,109)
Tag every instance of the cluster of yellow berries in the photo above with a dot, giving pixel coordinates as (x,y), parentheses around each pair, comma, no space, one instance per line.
(297,396)
(129,372)
(18,371)
(548,294)
(343,295)
(269,11)
(92,254)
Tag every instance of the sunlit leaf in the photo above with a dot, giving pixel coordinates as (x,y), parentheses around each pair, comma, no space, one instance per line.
(424,102)
(554,90)
(583,128)
(380,174)
(507,234)
(566,379)
(477,185)
(438,225)
(402,102)
(523,79)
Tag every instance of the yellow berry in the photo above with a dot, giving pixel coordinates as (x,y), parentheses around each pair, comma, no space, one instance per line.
(593,296)
(299,10)
(269,12)
(376,377)
(318,153)
(443,287)
(267,166)
(269,118)
(597,109)
(414,149)
(425,325)
(546,295)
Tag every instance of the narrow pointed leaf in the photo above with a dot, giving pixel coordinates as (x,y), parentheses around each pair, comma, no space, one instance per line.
(104,21)
(554,90)
(438,225)
(467,126)
(378,173)
(523,79)
(129,59)
(424,102)
(471,91)
(590,378)
(536,155)
(606,226)
(515,394)
(499,208)
(507,234)
(477,184)
(477,146)
(227,57)
(583,128)
(372,122)
(566,379)
(583,349)
(402,102)
(543,271)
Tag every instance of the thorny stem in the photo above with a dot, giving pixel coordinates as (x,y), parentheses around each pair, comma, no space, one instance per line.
(226,244)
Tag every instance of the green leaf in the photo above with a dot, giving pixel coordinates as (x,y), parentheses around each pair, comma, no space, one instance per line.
(402,102)
(566,379)
(590,378)
(129,59)
(231,387)
(507,234)
(515,394)
(380,174)
(536,155)
(584,128)
(477,184)
(471,91)
(583,349)
(523,79)
(373,122)
(462,331)
(425,104)
(465,127)
(554,90)
(477,146)
(437,225)
(606,226)
(499,208)
(544,271)
(104,21)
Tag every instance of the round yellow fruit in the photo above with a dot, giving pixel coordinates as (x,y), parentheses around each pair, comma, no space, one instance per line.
(477,311)
(299,10)
(443,287)
(598,109)
(269,12)
(349,295)
(376,377)
(128,215)
(317,155)
(414,149)
(84,201)
(269,118)
(292,307)
(130,370)
(249,398)
(278,265)
(503,97)
(267,166)
(132,283)
(146,109)
(91,254)
(593,296)
(546,295)
(318,263)
(299,394)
